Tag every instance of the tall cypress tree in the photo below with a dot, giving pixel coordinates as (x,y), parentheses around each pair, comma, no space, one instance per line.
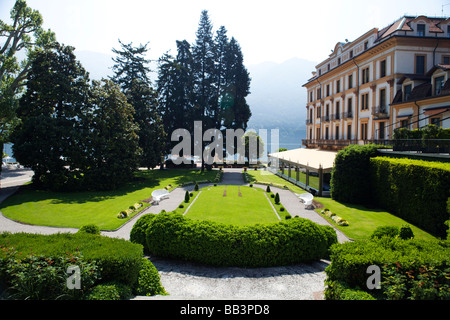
(175,88)
(207,83)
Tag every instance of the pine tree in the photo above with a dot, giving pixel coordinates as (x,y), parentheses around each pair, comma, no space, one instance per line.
(131,75)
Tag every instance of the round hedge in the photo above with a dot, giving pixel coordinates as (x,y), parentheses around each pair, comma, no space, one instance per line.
(171,235)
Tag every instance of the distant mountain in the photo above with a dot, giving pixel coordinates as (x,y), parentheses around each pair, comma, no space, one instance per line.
(278,100)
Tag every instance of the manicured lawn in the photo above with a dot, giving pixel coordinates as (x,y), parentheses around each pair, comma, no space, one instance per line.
(100,208)
(364,221)
(262,176)
(224,204)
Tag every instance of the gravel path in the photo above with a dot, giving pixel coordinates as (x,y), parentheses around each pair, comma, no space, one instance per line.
(188,281)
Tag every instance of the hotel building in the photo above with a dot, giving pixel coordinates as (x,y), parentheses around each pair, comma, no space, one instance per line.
(395,77)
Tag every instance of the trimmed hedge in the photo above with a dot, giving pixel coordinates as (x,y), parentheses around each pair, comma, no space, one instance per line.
(116,260)
(349,177)
(414,190)
(410,269)
(171,235)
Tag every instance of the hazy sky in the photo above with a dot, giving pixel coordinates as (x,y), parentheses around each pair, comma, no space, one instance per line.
(274,31)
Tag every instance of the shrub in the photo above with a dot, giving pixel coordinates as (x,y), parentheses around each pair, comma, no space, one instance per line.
(138,232)
(187,198)
(426,184)
(272,196)
(118,259)
(91,228)
(104,292)
(406,233)
(181,206)
(196,186)
(171,235)
(268,189)
(401,262)
(281,209)
(149,282)
(349,182)
(277,198)
(38,277)
(385,231)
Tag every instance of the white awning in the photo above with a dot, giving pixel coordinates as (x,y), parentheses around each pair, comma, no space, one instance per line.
(311,159)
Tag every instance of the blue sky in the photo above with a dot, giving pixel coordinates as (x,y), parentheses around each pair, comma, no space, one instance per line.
(273,31)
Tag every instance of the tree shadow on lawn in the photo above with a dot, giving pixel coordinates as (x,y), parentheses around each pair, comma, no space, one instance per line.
(148,179)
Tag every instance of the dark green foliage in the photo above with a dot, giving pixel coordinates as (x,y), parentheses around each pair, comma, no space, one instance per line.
(109,291)
(349,178)
(337,290)
(406,267)
(385,231)
(268,189)
(414,190)
(73,135)
(406,233)
(139,230)
(187,197)
(39,277)
(277,198)
(205,82)
(131,75)
(117,259)
(49,138)
(113,146)
(196,186)
(92,229)
(296,240)
(149,282)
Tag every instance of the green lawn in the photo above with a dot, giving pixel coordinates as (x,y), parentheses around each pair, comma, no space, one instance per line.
(100,208)
(364,221)
(224,204)
(261,176)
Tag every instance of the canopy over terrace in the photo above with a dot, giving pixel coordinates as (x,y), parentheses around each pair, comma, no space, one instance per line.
(311,160)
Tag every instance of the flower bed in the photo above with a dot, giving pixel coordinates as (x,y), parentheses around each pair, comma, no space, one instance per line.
(338,220)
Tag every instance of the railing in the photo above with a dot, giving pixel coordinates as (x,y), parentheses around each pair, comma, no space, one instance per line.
(326,118)
(347,115)
(406,145)
(336,116)
(329,142)
(380,111)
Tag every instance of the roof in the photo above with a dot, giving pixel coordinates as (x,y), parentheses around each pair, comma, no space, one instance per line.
(309,158)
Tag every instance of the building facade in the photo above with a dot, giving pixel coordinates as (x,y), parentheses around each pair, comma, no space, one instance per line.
(386,79)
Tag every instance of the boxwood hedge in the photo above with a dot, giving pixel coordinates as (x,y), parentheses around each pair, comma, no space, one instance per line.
(409,268)
(117,260)
(414,190)
(171,235)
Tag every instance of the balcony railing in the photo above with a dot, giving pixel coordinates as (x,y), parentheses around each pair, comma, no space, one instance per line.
(328,142)
(380,111)
(309,121)
(347,115)
(326,118)
(336,116)
(407,145)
